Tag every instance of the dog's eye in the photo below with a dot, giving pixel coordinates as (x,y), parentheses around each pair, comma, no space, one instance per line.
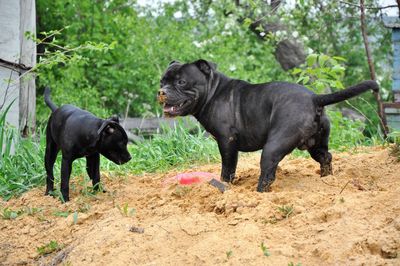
(181,82)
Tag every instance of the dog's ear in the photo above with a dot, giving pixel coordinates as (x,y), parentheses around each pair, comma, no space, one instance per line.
(205,66)
(173,62)
(109,127)
(114,118)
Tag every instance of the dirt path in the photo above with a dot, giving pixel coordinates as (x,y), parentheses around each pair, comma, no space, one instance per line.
(303,220)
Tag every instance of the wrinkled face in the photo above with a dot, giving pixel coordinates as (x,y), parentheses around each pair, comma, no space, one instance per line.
(182,86)
(114,143)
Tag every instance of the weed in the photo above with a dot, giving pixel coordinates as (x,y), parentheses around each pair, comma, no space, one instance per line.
(84,207)
(75,217)
(341,200)
(61,214)
(286,210)
(395,149)
(229,254)
(9,214)
(292,264)
(31,210)
(265,250)
(126,211)
(270,220)
(48,248)
(181,191)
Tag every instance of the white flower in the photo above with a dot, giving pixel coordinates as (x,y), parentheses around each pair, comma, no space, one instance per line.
(232,68)
(178,15)
(197,44)
(262,34)
(295,34)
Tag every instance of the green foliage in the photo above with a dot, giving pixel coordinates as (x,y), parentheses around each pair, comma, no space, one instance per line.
(286,210)
(7,135)
(345,133)
(175,147)
(125,210)
(321,72)
(24,169)
(229,254)
(265,250)
(9,214)
(50,247)
(395,150)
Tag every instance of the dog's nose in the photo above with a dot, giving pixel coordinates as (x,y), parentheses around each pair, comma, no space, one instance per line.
(162,93)
(162,96)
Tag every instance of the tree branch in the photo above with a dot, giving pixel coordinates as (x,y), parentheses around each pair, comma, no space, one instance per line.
(377,96)
(370,7)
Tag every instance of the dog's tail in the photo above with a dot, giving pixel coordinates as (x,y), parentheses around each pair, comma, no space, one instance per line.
(326,99)
(47,99)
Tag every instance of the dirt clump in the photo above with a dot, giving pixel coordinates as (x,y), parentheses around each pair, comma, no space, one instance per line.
(349,218)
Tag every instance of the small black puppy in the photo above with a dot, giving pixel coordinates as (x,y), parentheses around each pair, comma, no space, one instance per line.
(276,117)
(78,133)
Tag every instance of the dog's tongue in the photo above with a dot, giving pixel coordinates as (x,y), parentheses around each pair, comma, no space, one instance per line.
(168,109)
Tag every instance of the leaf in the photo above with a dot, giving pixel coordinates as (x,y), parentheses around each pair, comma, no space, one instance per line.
(75,217)
(339,58)
(247,22)
(311,59)
(322,59)
(296,71)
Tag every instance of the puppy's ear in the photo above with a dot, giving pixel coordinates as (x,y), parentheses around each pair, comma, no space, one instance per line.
(173,62)
(114,118)
(110,129)
(205,66)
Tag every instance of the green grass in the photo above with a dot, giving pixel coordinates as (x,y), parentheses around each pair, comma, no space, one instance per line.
(395,150)
(50,247)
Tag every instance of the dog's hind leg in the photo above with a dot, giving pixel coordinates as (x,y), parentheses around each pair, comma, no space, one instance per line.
(93,169)
(66,168)
(49,159)
(319,152)
(273,152)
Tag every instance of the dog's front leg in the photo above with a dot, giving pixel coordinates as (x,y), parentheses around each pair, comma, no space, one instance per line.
(93,170)
(66,167)
(229,155)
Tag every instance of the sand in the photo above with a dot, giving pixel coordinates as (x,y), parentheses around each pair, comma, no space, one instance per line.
(349,218)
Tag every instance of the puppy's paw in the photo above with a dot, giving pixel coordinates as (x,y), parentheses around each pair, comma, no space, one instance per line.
(49,192)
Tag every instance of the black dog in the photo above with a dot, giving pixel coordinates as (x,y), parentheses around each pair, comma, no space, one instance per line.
(276,117)
(78,133)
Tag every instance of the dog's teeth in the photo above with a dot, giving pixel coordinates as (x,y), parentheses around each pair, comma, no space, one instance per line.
(173,108)
(181,105)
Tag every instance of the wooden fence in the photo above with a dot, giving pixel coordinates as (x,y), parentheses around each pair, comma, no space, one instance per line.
(138,128)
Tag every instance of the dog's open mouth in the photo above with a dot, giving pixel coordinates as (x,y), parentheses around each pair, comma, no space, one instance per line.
(175,110)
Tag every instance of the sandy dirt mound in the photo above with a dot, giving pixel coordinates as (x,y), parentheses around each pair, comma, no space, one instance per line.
(349,218)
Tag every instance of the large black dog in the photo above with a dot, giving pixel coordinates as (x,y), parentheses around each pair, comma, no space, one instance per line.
(78,133)
(276,117)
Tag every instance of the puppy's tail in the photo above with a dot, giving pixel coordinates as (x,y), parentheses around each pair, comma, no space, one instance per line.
(326,99)
(47,99)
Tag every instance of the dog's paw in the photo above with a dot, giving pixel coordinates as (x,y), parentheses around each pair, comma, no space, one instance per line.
(49,192)
(326,170)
